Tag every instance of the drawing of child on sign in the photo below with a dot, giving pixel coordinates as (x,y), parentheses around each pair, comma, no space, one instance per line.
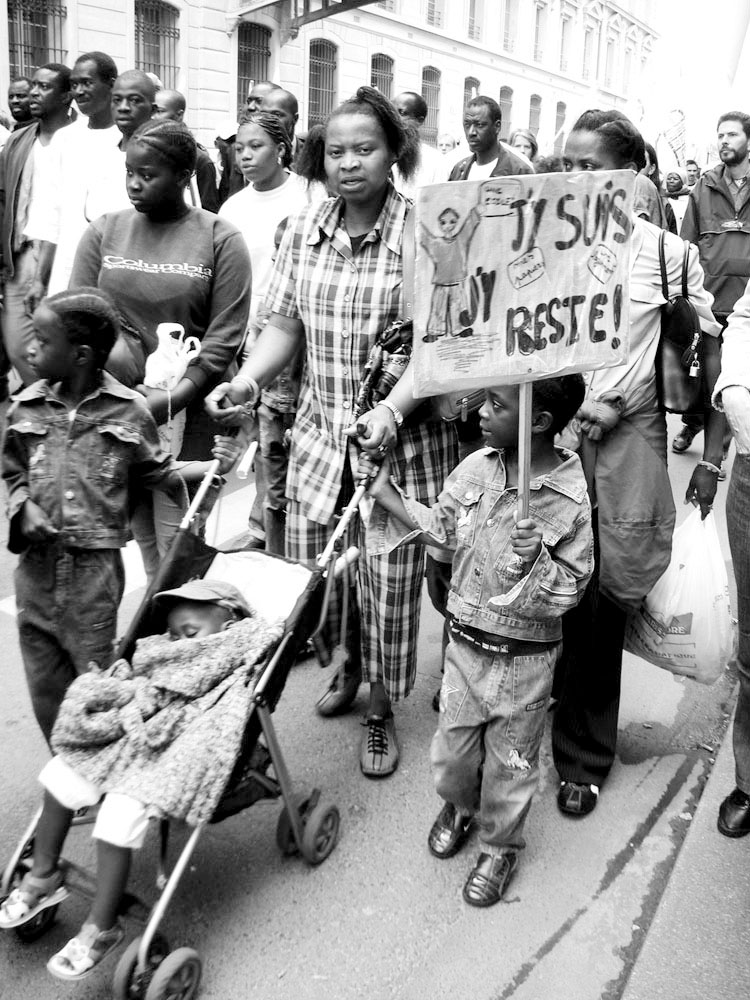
(449,312)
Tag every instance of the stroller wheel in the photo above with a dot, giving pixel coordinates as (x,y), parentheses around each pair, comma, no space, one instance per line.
(178,976)
(321,833)
(284,832)
(126,985)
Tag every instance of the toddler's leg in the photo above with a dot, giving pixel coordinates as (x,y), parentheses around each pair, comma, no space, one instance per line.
(120,827)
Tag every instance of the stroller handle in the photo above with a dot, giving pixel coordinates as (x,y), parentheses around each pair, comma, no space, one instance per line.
(204,487)
(348,513)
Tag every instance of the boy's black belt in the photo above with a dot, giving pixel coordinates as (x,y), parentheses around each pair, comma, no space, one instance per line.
(497,643)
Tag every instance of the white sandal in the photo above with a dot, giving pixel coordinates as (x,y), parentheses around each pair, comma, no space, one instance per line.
(33,895)
(85,951)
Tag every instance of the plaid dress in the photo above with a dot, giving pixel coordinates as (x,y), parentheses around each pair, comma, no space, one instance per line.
(344,300)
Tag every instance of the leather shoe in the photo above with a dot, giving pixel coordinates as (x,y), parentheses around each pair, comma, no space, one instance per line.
(339,696)
(683,440)
(489,879)
(379,756)
(734,815)
(449,832)
(576,799)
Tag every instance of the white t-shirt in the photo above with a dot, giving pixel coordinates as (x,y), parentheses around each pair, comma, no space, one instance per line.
(257,215)
(433,169)
(41,221)
(91,183)
(480,172)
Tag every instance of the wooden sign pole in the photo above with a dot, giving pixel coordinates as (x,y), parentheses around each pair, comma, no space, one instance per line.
(524,447)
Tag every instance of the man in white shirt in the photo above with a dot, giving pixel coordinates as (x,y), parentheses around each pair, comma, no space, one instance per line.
(432,168)
(91,163)
(28,225)
(489,156)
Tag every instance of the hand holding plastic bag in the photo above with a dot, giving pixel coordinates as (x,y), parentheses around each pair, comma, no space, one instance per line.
(685,623)
(164,369)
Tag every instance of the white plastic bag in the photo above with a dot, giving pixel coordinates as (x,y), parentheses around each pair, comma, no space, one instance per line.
(685,622)
(164,369)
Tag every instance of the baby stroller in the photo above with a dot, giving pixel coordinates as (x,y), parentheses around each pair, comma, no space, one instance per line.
(275,588)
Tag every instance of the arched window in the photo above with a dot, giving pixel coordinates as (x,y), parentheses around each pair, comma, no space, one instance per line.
(535,113)
(381,74)
(431,94)
(471,88)
(253,57)
(506,106)
(560,127)
(157,35)
(323,82)
(35,35)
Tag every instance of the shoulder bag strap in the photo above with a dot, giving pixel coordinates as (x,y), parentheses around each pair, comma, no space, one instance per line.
(663,267)
(685,261)
(408,252)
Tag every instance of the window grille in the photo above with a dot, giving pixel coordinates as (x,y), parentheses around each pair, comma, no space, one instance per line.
(475,16)
(323,83)
(156,39)
(381,74)
(431,94)
(253,56)
(435,13)
(535,113)
(35,35)
(509,26)
(389,5)
(471,88)
(560,127)
(540,17)
(506,107)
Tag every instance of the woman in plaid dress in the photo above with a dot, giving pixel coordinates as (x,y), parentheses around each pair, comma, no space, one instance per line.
(336,285)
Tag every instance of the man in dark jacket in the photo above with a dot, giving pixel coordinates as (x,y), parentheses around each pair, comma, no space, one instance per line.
(717,220)
(489,156)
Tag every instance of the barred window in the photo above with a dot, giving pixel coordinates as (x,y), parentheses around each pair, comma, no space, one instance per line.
(506,109)
(431,94)
(381,74)
(157,35)
(535,113)
(253,57)
(323,84)
(471,89)
(389,5)
(35,35)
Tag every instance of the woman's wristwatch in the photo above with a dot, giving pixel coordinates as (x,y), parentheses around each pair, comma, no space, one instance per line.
(397,414)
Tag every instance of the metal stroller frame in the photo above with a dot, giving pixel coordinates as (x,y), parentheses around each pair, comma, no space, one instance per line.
(307,824)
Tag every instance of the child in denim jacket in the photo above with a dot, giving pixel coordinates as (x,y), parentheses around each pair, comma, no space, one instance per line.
(511,582)
(74,444)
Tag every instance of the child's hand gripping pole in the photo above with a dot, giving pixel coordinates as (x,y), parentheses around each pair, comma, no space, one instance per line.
(526,538)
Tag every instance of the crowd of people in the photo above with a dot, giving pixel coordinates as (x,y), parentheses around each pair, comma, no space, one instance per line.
(284,254)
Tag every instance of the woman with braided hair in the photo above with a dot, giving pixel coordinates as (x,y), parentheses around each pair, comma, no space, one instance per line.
(336,285)
(167,261)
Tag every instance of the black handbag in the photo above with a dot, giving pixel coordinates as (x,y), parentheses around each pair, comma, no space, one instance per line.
(679,358)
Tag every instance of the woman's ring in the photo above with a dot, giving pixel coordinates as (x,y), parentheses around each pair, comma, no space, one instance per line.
(382,449)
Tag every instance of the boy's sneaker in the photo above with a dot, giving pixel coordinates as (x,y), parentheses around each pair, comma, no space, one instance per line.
(33,895)
(489,878)
(85,951)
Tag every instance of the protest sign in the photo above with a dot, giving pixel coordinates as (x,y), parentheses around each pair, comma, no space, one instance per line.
(521,278)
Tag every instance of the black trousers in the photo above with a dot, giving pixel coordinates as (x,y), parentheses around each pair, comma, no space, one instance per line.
(584,728)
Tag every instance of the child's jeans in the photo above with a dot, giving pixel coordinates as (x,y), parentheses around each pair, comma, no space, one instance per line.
(121,820)
(485,753)
(67,602)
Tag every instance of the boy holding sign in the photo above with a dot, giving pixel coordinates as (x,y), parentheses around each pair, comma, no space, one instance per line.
(511,582)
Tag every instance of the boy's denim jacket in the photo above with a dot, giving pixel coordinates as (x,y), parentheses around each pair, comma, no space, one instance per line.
(78,465)
(474,516)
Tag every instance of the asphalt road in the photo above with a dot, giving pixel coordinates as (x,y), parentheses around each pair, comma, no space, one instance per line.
(382,919)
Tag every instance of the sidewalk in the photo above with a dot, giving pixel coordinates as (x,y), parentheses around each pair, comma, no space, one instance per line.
(698,945)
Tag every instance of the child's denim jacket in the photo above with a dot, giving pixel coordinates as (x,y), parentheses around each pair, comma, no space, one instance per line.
(474,516)
(78,465)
